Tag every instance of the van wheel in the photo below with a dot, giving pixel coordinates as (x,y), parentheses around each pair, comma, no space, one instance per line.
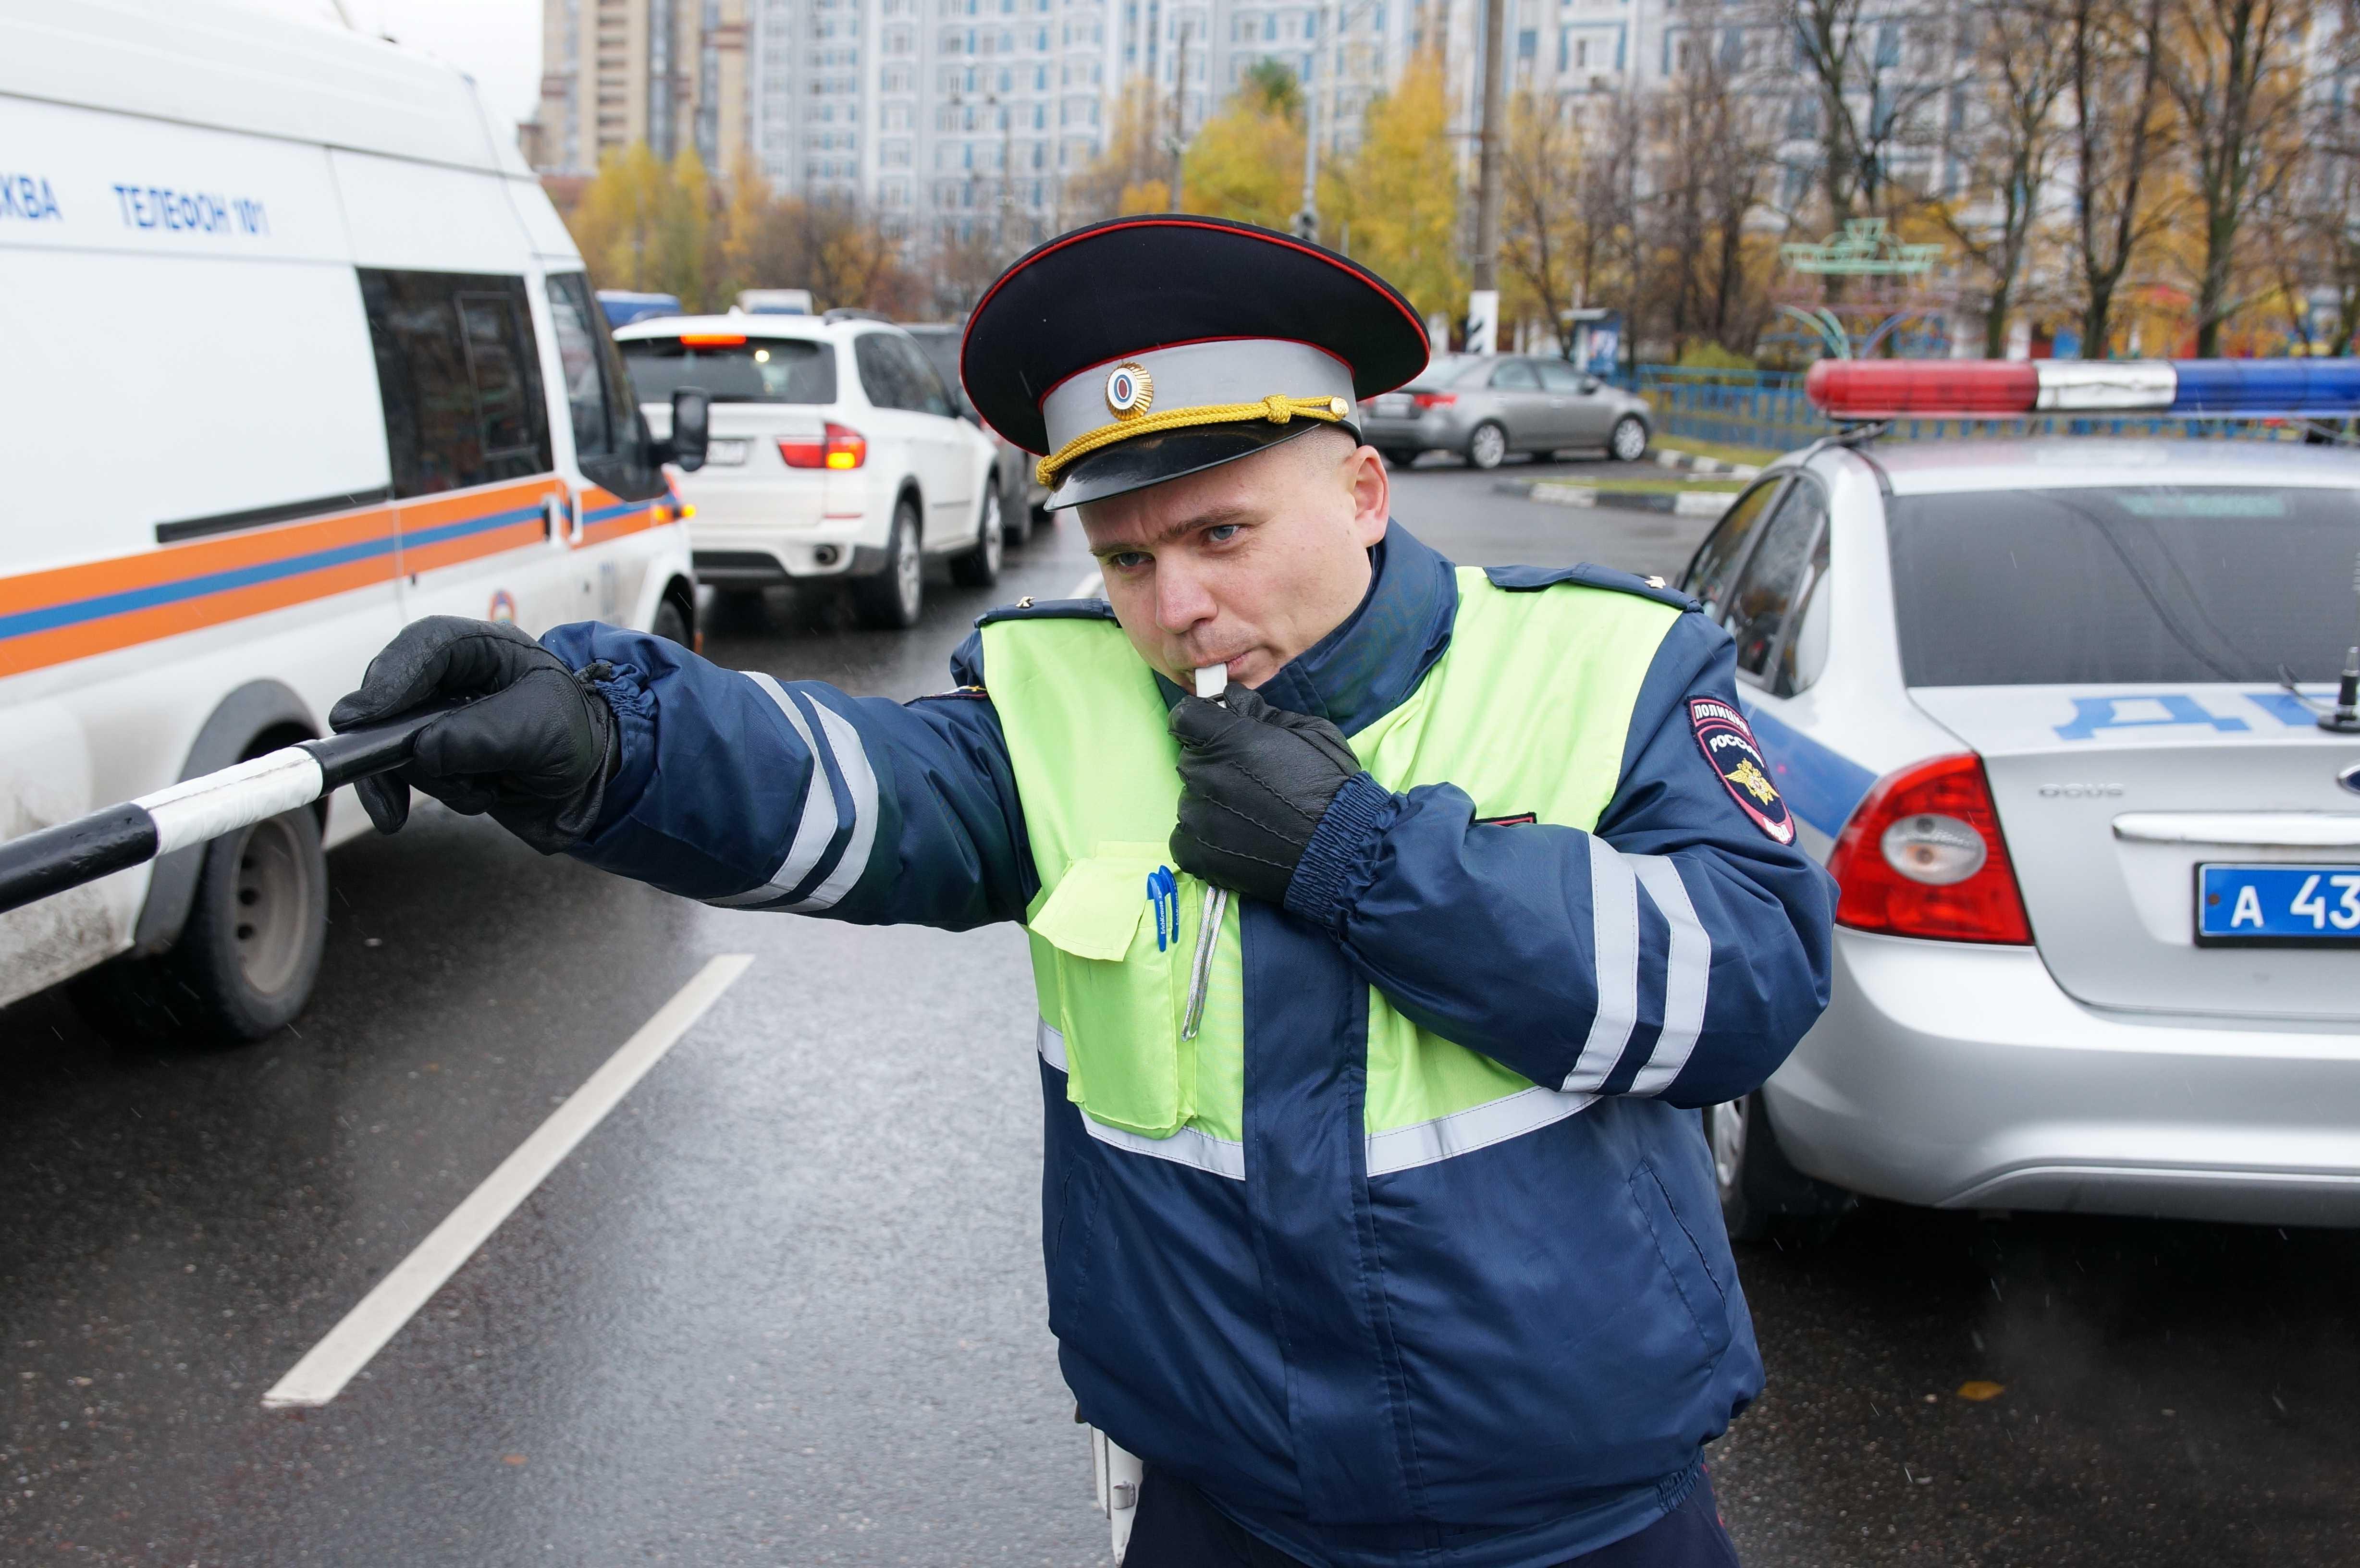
(669,623)
(246,962)
(1759,1186)
(978,566)
(891,599)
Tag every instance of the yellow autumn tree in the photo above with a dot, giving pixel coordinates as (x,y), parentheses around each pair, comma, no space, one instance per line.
(644,225)
(1247,161)
(1133,172)
(1399,193)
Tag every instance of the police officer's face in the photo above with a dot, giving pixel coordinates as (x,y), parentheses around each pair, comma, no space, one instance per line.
(1247,565)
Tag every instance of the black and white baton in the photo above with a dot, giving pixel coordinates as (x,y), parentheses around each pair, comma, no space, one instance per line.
(71,854)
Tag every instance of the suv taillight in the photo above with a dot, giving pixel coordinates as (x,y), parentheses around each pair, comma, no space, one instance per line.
(1923,855)
(839,447)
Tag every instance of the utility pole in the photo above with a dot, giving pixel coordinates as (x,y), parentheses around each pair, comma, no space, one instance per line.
(1483,297)
(1179,116)
(1306,220)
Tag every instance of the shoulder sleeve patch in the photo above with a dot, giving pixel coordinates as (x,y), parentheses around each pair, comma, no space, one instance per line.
(1531,579)
(1047,610)
(1729,745)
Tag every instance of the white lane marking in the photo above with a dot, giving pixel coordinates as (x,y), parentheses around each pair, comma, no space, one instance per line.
(1090,587)
(322,1372)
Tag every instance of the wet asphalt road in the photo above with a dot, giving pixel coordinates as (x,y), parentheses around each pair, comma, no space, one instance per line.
(773,1310)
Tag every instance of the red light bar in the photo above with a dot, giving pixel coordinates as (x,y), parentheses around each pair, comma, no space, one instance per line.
(1881,388)
(713,340)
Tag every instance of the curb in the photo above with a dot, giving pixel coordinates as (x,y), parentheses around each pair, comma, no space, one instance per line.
(1673,457)
(1565,492)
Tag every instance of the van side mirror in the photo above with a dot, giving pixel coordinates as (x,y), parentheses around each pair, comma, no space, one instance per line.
(692,428)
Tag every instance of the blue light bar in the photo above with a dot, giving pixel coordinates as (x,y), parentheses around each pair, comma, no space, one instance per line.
(2233,387)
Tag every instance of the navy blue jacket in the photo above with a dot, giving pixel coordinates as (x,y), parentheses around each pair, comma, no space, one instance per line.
(1498,1360)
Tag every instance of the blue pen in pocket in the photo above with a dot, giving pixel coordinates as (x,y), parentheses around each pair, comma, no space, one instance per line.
(1164,893)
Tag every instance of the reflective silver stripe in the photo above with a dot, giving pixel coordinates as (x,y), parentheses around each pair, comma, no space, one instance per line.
(1478,1127)
(1614,919)
(819,819)
(1186,1146)
(852,759)
(1687,969)
(1051,1039)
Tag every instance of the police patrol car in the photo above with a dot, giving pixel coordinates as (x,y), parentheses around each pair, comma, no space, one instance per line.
(2059,717)
(297,351)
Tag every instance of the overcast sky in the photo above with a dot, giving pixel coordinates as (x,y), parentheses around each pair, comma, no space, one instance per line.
(498,42)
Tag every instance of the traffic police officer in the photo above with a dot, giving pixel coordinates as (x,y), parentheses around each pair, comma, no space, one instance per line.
(1376,1213)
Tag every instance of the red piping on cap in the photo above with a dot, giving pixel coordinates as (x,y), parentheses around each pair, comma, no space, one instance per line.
(1363,274)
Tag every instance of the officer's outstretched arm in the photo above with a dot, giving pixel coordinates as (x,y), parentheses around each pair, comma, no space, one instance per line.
(635,755)
(1680,952)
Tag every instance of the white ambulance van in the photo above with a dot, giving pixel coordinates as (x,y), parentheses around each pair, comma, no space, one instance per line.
(293,350)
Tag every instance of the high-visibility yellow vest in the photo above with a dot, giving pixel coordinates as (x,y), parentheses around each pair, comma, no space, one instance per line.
(1527,711)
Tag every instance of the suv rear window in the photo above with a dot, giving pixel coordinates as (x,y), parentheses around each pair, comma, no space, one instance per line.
(2106,585)
(760,370)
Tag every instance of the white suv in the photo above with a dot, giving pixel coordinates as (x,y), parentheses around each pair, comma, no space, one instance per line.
(836,453)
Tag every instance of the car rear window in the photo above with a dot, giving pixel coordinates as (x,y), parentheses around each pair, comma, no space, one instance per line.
(760,370)
(2054,587)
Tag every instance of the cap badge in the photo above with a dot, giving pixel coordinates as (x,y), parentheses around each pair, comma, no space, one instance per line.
(1129,391)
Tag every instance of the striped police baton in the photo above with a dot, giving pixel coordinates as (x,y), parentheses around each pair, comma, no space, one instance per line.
(71,854)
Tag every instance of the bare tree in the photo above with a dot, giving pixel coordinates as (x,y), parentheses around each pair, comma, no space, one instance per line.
(2310,220)
(1708,169)
(1542,174)
(1867,93)
(2231,75)
(2009,143)
(2119,134)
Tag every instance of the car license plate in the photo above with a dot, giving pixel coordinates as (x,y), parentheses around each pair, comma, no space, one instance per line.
(726,453)
(1390,407)
(2278,903)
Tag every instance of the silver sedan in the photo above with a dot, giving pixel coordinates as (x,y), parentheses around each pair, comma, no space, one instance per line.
(2098,944)
(1485,406)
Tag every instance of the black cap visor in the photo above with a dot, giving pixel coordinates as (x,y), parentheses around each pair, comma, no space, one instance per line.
(1151,459)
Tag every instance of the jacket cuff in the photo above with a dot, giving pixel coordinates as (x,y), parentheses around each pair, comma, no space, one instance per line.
(1341,856)
(624,689)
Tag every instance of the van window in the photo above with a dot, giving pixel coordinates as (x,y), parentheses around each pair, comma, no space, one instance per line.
(609,441)
(459,377)
(759,370)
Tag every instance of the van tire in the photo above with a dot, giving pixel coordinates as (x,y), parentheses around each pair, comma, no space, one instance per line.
(669,623)
(892,599)
(246,962)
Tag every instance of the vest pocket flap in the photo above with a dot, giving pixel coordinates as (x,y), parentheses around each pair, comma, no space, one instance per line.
(1097,906)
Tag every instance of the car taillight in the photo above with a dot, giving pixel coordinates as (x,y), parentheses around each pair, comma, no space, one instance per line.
(839,447)
(1433,399)
(1923,855)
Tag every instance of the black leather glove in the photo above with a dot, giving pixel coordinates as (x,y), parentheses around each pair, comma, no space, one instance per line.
(534,748)
(1254,781)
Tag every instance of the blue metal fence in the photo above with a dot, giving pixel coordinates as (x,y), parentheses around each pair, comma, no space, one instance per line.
(1766,409)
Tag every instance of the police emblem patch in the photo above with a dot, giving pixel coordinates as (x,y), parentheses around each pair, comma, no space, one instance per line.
(1129,391)
(1729,745)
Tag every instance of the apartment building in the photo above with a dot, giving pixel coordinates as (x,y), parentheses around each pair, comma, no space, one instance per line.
(671,73)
